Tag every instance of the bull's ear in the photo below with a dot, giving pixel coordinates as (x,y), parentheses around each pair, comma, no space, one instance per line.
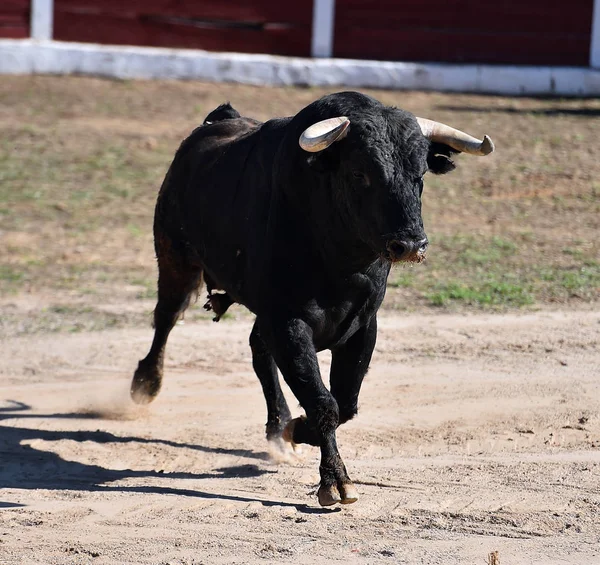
(439,158)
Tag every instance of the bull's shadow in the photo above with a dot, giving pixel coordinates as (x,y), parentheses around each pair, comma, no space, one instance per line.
(24,467)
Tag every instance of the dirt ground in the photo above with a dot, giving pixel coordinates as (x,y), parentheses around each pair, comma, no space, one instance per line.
(479,425)
(477,433)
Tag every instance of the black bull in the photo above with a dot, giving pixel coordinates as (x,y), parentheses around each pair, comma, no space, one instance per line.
(305,240)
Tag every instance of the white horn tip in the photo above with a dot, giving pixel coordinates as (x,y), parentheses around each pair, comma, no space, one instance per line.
(487,146)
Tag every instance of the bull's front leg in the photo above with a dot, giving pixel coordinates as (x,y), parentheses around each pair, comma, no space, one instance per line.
(291,343)
(349,365)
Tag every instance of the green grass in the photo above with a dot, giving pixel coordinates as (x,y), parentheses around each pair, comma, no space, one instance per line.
(81,162)
(148,288)
(10,275)
(11,279)
(482,293)
(72,319)
(496,272)
(405,278)
(580,282)
(86,188)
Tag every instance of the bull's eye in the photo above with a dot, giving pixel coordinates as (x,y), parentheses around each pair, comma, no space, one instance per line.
(359,175)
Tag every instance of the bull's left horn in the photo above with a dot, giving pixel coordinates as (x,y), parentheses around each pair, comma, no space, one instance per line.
(321,135)
(459,140)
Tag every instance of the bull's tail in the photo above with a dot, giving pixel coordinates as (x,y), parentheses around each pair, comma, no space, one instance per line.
(223,112)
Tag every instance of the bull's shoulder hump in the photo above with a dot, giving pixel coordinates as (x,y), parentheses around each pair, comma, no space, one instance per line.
(220,133)
(227,128)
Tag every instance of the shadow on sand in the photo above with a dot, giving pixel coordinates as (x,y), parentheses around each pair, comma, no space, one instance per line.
(24,467)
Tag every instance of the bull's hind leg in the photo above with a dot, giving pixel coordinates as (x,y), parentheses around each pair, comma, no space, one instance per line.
(177,281)
(278,413)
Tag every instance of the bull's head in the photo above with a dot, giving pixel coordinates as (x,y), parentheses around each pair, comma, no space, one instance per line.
(379,163)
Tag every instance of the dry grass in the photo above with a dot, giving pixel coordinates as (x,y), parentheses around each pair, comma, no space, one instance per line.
(81,160)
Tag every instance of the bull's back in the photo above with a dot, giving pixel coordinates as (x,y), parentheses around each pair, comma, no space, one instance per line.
(196,174)
(215,198)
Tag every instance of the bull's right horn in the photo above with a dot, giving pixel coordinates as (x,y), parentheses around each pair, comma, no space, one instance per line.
(321,135)
(459,140)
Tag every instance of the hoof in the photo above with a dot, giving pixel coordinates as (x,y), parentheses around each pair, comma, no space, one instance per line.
(141,394)
(282,452)
(288,431)
(143,389)
(140,397)
(328,496)
(349,493)
(275,426)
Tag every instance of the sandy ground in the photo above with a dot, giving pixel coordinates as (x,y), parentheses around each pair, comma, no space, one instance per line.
(476,433)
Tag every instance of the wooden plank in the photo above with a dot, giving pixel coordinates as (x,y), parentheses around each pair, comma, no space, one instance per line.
(12,32)
(14,5)
(20,10)
(507,16)
(108,29)
(10,20)
(533,32)
(235,10)
(14,19)
(461,47)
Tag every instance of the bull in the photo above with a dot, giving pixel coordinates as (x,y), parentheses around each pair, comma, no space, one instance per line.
(299,219)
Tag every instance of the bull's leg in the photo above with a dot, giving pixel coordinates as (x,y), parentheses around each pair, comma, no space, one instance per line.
(278,413)
(349,365)
(176,283)
(292,347)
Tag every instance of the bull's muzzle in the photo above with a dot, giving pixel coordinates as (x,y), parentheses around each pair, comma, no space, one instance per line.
(407,250)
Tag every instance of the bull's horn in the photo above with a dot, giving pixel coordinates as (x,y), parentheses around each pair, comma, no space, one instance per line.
(321,135)
(459,140)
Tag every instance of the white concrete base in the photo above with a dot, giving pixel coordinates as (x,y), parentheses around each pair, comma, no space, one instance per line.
(53,57)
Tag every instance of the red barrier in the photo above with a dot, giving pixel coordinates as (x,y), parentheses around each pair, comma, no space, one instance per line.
(260,26)
(14,18)
(532,32)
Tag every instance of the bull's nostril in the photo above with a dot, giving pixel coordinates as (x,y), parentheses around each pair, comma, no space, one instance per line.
(407,249)
(396,249)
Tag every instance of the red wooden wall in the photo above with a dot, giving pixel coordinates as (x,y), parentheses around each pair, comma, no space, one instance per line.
(14,18)
(534,32)
(252,26)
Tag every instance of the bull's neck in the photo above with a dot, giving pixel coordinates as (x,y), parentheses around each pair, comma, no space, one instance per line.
(334,243)
(341,251)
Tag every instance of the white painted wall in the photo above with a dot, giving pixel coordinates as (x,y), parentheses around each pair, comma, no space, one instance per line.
(41,55)
(595,44)
(323,28)
(42,12)
(54,57)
